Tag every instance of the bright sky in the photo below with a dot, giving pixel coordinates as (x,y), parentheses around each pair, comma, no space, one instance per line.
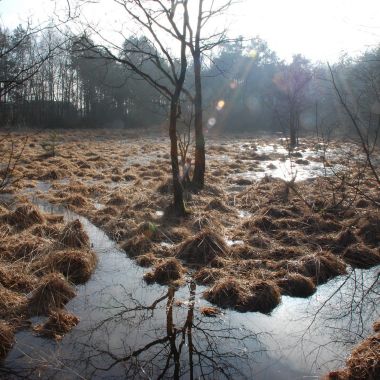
(319,29)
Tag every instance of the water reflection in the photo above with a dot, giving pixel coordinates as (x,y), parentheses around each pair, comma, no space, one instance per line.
(187,345)
(131,330)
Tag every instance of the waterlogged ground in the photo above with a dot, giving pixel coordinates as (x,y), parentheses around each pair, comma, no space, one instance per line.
(314,239)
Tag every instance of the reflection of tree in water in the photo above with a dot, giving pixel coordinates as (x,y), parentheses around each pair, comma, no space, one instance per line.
(169,338)
(343,315)
(196,347)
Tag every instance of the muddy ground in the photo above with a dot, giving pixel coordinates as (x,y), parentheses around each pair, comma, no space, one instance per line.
(250,237)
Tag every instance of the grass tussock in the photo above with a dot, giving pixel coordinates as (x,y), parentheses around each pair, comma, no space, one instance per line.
(369,229)
(11,303)
(76,200)
(209,311)
(296,285)
(360,256)
(322,267)
(206,276)
(165,272)
(24,216)
(146,260)
(75,265)
(6,339)
(137,245)
(74,236)
(52,292)
(256,295)
(203,248)
(59,323)
(217,204)
(364,361)
(14,278)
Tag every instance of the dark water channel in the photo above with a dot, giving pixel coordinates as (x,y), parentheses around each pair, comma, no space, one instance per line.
(131,330)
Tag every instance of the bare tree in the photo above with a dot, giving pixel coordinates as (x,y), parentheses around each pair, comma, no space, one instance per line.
(154,19)
(359,123)
(292,82)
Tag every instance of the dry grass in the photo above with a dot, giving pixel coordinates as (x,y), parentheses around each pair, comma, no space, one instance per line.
(13,277)
(75,265)
(24,216)
(74,236)
(369,229)
(322,267)
(12,304)
(284,240)
(257,295)
(209,311)
(165,272)
(364,361)
(360,256)
(59,323)
(6,339)
(52,292)
(296,285)
(228,293)
(203,248)
(137,245)
(146,260)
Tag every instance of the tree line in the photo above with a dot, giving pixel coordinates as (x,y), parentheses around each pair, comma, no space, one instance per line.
(52,81)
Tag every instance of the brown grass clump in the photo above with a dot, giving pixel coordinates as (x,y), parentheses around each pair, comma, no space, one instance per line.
(117,199)
(369,229)
(165,272)
(11,303)
(209,311)
(60,322)
(146,260)
(74,236)
(76,200)
(16,279)
(376,326)
(345,239)
(6,339)
(207,276)
(26,247)
(54,219)
(203,248)
(316,223)
(45,231)
(360,256)
(24,216)
(137,245)
(363,363)
(322,267)
(217,204)
(228,293)
(76,265)
(52,292)
(264,223)
(296,285)
(264,297)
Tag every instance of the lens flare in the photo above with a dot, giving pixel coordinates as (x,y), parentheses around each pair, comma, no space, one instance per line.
(211,122)
(233,84)
(220,105)
(252,54)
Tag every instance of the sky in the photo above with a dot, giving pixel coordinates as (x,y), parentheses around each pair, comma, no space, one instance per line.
(321,30)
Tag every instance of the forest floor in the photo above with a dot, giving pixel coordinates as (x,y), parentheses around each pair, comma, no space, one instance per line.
(268,222)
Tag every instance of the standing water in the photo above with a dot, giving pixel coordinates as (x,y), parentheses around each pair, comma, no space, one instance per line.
(128,329)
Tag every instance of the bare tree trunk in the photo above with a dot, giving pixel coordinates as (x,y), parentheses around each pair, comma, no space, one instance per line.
(179,207)
(200,157)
